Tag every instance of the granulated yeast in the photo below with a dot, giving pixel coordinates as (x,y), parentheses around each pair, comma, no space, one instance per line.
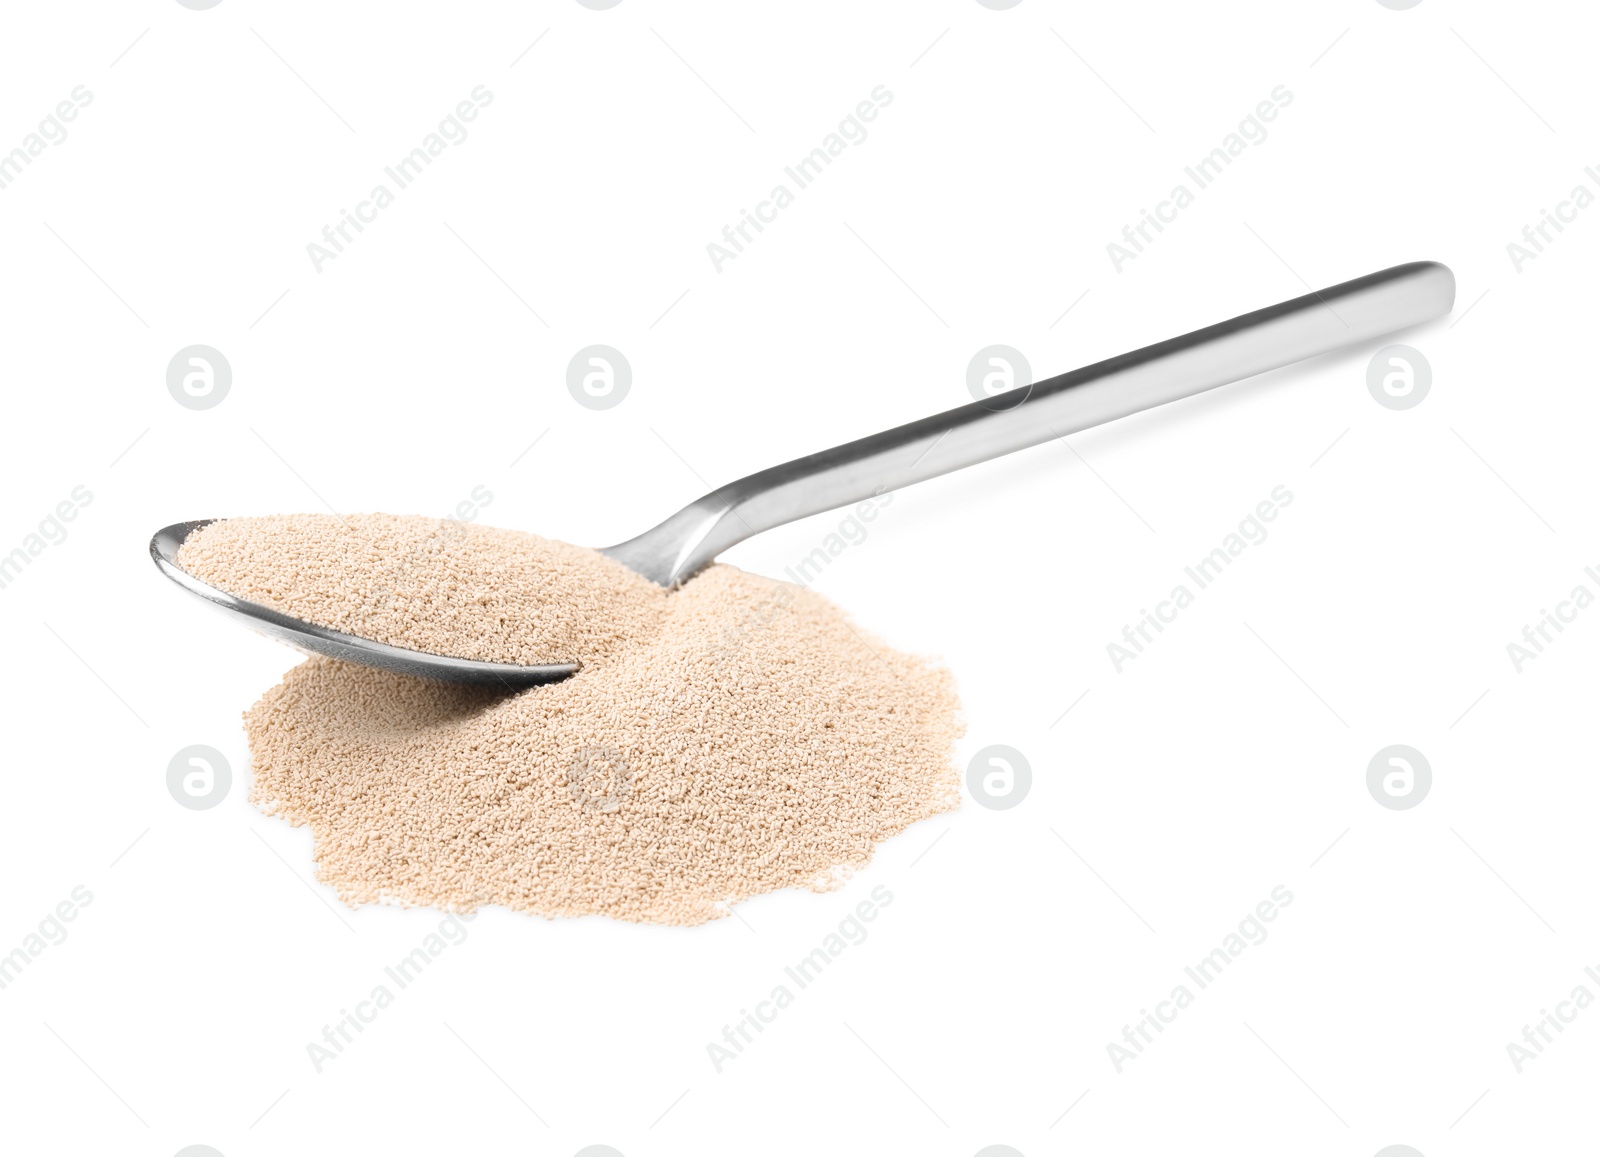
(733,737)
(452,588)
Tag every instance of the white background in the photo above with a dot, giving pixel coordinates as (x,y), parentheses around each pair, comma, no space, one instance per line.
(1229,759)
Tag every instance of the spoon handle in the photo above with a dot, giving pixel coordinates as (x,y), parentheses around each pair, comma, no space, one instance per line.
(1342,315)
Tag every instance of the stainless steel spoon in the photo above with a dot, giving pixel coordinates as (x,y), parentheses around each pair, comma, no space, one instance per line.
(1340,316)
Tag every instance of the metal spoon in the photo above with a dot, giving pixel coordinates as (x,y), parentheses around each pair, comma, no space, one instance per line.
(1291,331)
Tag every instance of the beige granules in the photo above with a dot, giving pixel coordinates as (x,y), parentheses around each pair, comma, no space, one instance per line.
(450,588)
(745,739)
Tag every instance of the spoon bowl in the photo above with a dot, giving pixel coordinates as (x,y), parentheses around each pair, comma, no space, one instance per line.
(318,640)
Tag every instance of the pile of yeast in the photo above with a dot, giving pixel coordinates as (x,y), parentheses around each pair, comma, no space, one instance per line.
(732,737)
